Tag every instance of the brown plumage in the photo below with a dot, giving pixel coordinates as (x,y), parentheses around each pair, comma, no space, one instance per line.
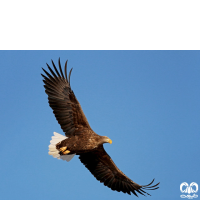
(80,138)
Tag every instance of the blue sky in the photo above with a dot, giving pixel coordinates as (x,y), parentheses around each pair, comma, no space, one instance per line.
(147,102)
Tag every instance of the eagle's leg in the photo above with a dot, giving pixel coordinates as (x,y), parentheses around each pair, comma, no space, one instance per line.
(63,151)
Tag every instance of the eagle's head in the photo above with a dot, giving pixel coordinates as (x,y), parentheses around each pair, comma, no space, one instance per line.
(105,139)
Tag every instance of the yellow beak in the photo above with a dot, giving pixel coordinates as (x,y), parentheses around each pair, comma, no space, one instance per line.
(110,141)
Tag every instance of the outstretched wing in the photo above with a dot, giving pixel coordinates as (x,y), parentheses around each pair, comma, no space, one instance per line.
(104,169)
(62,100)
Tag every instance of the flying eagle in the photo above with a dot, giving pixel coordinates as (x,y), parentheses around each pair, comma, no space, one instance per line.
(79,137)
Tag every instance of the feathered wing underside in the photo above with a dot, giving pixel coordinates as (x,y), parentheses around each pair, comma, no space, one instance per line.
(104,169)
(62,100)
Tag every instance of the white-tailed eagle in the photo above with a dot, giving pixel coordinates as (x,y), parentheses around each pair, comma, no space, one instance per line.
(79,137)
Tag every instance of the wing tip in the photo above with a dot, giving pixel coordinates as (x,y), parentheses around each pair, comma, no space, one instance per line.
(150,186)
(145,187)
(66,69)
(63,73)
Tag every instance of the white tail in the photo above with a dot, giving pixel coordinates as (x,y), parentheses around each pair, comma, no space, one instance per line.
(52,147)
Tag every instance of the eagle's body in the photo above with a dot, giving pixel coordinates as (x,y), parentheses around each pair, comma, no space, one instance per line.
(84,141)
(79,137)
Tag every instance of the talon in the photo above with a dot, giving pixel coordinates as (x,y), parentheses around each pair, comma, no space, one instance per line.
(66,152)
(62,149)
